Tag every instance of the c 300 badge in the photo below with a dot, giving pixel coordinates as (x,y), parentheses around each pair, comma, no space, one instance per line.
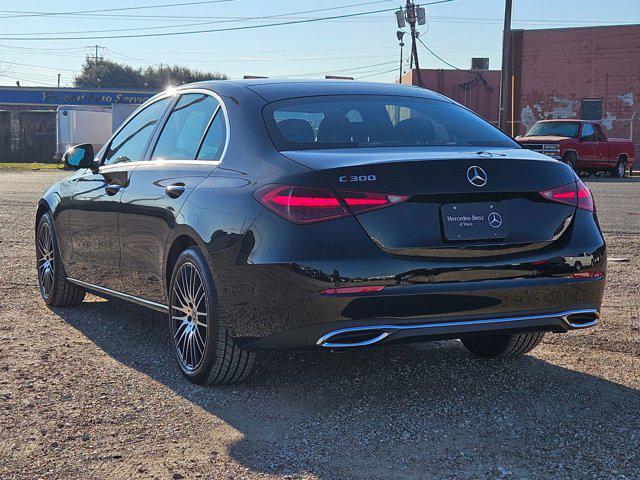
(357,178)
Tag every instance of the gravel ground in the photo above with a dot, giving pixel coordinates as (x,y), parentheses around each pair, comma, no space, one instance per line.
(90,392)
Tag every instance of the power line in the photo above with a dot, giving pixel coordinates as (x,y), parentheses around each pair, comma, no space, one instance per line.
(256,58)
(227,29)
(216,19)
(228,20)
(376,74)
(38,66)
(362,67)
(193,32)
(439,57)
(30,79)
(140,7)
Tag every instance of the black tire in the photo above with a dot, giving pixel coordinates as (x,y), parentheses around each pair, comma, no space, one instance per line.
(193,313)
(571,160)
(502,345)
(620,170)
(55,289)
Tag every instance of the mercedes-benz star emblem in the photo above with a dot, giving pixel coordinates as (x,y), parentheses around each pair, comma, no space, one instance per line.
(495,220)
(476,176)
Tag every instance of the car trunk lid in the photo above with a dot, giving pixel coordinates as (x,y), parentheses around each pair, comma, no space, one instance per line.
(465,202)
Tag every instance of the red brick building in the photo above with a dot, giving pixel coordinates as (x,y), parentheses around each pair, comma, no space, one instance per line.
(477,89)
(586,72)
(589,72)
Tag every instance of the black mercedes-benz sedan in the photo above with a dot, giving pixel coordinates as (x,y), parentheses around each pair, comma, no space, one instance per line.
(322,215)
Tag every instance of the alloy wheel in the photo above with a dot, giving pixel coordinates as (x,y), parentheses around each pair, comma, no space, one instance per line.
(189,317)
(45,258)
(621,170)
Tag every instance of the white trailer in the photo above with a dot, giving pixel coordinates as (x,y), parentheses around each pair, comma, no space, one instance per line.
(120,112)
(77,124)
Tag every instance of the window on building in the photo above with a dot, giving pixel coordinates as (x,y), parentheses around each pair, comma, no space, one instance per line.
(591,109)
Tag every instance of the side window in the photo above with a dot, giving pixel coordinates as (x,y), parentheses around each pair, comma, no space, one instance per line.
(213,143)
(181,135)
(599,134)
(588,133)
(130,142)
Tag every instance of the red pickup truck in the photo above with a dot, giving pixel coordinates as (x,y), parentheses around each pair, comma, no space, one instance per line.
(583,144)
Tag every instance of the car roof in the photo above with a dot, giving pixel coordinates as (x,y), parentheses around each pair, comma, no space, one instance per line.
(276,89)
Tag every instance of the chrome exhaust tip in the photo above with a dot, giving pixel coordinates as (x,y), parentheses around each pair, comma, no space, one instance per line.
(350,338)
(581,319)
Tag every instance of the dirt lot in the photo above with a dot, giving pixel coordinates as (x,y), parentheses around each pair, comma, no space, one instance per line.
(90,392)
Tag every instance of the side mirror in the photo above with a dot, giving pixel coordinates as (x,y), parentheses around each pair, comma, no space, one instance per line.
(79,156)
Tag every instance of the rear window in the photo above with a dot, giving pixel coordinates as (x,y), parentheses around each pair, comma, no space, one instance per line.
(352,121)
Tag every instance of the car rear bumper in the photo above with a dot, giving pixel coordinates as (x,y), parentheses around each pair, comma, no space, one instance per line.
(365,335)
(272,288)
(336,336)
(281,308)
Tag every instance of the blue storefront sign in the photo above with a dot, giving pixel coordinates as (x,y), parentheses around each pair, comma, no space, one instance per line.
(71,96)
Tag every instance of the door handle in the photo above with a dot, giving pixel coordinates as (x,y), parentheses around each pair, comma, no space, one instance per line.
(174,191)
(112,188)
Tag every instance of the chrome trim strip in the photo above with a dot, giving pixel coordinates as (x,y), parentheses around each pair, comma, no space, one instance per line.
(389,329)
(172,92)
(124,296)
(355,344)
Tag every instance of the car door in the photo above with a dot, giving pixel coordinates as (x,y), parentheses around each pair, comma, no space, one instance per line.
(602,151)
(588,146)
(95,205)
(186,150)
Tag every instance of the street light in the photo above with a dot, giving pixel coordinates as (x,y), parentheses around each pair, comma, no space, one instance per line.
(400,35)
(400,18)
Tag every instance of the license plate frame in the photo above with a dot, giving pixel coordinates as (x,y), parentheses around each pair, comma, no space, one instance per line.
(473,221)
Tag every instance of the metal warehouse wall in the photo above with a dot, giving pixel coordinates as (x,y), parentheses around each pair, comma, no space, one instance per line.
(556,69)
(27,136)
(477,89)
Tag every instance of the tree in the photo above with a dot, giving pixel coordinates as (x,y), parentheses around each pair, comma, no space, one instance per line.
(108,74)
(163,76)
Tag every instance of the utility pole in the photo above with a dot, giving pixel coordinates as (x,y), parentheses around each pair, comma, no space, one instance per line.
(94,58)
(93,48)
(411,18)
(58,80)
(506,65)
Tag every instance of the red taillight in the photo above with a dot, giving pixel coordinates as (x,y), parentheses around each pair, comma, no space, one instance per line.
(308,205)
(566,194)
(585,198)
(360,202)
(301,204)
(352,290)
(574,194)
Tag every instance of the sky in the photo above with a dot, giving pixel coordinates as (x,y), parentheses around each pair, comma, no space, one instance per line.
(364,47)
